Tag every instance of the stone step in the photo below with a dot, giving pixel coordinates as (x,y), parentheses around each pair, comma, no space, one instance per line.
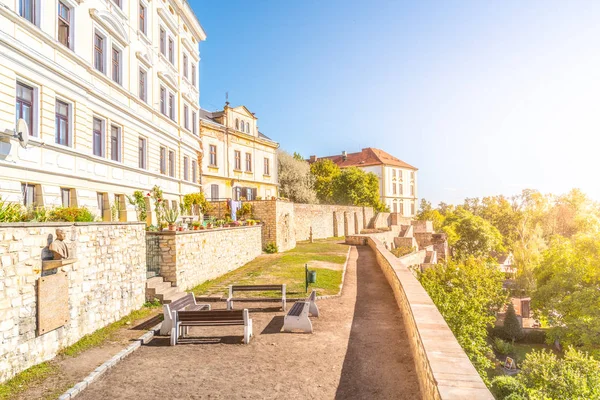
(158,288)
(172,297)
(157,281)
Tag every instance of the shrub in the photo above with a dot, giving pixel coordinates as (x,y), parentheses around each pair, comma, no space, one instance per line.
(512,326)
(71,214)
(10,212)
(402,250)
(502,346)
(37,214)
(196,199)
(534,336)
(507,387)
(139,202)
(271,248)
(244,211)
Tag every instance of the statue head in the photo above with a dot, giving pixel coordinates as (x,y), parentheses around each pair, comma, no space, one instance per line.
(60,234)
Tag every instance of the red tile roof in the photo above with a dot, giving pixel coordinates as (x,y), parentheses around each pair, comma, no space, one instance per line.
(368,157)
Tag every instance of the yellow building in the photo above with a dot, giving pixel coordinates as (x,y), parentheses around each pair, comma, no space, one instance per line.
(238,161)
(110,92)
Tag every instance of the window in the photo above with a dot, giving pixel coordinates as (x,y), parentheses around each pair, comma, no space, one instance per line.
(213,155)
(163,161)
(171,163)
(28,193)
(24,104)
(186,117)
(194,171)
(412,175)
(142,160)
(402,207)
(248,162)
(412,189)
(62,123)
(185,65)
(412,208)
(400,175)
(142,22)
(143,85)
(64,24)
(393,173)
(171,51)
(237,160)
(395,207)
(194,123)
(172,106)
(116,65)
(101,206)
(214,192)
(163,100)
(194,74)
(99,52)
(65,195)
(247,127)
(401,188)
(267,167)
(117,2)
(98,137)
(237,124)
(115,143)
(163,41)
(28,10)
(394,187)
(186,168)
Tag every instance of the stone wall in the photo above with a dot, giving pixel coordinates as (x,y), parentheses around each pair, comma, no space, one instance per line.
(329,220)
(105,284)
(190,258)
(443,368)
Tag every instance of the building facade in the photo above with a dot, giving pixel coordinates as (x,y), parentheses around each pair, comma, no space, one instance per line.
(239,162)
(397,179)
(109,89)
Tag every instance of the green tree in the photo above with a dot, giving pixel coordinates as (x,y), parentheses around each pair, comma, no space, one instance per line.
(353,186)
(512,329)
(325,172)
(428,213)
(471,235)
(504,386)
(575,376)
(298,156)
(567,293)
(295,180)
(467,295)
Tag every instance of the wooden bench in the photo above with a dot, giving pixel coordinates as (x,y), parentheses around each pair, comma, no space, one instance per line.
(255,288)
(188,303)
(297,317)
(184,319)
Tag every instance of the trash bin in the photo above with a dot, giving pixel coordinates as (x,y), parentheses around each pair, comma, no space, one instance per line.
(312,276)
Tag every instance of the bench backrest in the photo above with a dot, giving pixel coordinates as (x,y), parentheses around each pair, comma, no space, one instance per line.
(182,303)
(312,296)
(212,316)
(258,288)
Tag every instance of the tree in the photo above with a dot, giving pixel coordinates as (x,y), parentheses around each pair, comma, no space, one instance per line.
(575,376)
(567,293)
(427,213)
(467,295)
(298,156)
(471,235)
(353,186)
(512,329)
(325,172)
(295,179)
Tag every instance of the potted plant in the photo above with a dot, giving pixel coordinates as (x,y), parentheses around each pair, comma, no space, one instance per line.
(171,216)
(196,225)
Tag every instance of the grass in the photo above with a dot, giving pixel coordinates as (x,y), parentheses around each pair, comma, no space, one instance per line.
(102,334)
(25,379)
(288,268)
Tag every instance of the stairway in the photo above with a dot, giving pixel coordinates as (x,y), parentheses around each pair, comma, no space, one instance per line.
(158,288)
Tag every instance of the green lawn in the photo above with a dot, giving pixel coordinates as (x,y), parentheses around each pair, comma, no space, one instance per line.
(326,257)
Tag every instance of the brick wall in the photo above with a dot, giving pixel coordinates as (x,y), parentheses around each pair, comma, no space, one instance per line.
(190,258)
(105,284)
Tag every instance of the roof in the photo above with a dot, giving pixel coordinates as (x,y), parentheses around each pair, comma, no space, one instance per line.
(368,157)
(502,257)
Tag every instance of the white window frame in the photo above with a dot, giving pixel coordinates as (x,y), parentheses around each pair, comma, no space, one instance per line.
(35,105)
(120,143)
(115,46)
(37,5)
(102,136)
(105,47)
(186,168)
(146,17)
(144,159)
(186,117)
(145,70)
(70,130)
(71,5)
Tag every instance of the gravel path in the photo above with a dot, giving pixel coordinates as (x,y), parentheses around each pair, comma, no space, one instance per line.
(359,350)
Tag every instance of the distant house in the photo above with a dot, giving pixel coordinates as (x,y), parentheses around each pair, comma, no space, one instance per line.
(397,179)
(505,263)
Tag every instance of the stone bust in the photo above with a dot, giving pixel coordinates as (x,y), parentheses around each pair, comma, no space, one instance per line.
(58,247)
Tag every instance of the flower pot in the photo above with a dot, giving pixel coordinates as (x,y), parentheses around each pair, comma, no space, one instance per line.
(196,228)
(172,227)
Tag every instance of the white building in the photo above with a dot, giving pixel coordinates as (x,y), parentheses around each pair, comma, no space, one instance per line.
(109,89)
(397,179)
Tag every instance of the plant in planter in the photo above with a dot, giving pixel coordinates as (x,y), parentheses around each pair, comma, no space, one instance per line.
(139,203)
(196,225)
(171,216)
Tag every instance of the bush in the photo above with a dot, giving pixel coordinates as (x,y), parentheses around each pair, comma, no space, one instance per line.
(402,250)
(244,211)
(71,214)
(534,336)
(271,248)
(503,347)
(512,326)
(507,387)
(10,212)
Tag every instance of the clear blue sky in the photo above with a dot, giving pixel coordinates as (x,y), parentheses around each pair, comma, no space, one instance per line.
(484,97)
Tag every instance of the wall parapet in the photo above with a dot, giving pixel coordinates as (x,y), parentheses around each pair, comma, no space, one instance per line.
(444,370)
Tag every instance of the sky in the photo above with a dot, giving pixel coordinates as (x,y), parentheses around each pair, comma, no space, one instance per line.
(483,97)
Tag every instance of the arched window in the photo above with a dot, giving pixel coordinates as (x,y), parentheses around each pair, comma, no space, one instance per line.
(237,124)
(247,127)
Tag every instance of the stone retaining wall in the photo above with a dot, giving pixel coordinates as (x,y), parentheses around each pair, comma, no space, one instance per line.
(105,284)
(443,368)
(189,258)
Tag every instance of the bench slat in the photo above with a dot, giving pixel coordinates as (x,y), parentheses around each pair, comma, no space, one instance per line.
(297,309)
(250,288)
(181,303)
(211,323)
(218,315)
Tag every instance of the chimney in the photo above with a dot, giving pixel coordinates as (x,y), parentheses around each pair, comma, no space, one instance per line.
(344,155)
(313,159)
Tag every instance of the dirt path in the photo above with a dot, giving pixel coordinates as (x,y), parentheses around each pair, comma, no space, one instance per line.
(359,350)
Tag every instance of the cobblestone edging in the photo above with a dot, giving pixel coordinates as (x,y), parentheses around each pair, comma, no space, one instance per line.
(98,372)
